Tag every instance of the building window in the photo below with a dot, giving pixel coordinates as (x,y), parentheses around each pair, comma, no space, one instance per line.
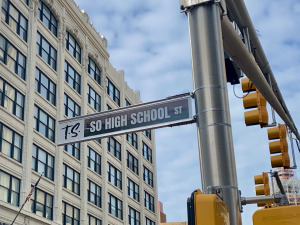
(147,133)
(149,201)
(11,99)
(72,109)
(11,143)
(115,206)
(73,149)
(44,123)
(94,220)
(12,58)
(71,179)
(127,103)
(133,190)
(73,46)
(94,99)
(94,160)
(114,176)
(149,222)
(147,152)
(72,77)
(114,147)
(94,193)
(132,163)
(42,204)
(70,215)
(108,107)
(133,216)
(46,50)
(42,162)
(45,86)
(132,139)
(15,19)
(112,91)
(47,17)
(94,71)
(9,188)
(148,176)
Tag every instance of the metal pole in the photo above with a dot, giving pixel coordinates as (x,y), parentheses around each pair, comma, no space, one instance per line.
(215,142)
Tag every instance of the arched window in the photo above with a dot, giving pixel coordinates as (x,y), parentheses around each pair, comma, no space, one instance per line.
(47,17)
(94,71)
(73,46)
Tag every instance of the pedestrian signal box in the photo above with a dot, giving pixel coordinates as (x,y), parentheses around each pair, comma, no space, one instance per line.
(204,209)
(284,215)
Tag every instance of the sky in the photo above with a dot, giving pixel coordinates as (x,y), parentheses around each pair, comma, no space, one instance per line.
(149,40)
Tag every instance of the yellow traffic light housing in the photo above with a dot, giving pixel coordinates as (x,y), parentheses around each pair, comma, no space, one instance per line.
(284,215)
(254,99)
(256,116)
(247,85)
(263,189)
(279,147)
(206,209)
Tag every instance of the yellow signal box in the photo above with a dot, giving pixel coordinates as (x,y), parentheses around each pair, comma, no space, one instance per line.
(254,99)
(208,209)
(284,215)
(279,147)
(247,85)
(263,188)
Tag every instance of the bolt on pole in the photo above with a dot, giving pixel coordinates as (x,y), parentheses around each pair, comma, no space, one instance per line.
(216,153)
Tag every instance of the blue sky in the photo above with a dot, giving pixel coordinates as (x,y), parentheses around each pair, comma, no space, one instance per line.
(149,40)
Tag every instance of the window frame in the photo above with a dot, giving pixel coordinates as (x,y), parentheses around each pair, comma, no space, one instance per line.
(97,165)
(133,216)
(118,210)
(96,220)
(18,27)
(74,221)
(73,179)
(113,92)
(132,138)
(95,72)
(73,149)
(114,147)
(114,175)
(95,100)
(53,22)
(51,53)
(132,163)
(50,95)
(149,201)
(96,194)
(14,136)
(16,59)
(10,189)
(133,189)
(147,152)
(34,202)
(148,176)
(74,82)
(68,101)
(37,122)
(15,105)
(76,54)
(48,172)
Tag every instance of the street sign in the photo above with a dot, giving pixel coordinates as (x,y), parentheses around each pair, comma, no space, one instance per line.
(170,111)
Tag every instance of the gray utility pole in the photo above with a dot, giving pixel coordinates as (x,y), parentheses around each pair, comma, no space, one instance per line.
(217,161)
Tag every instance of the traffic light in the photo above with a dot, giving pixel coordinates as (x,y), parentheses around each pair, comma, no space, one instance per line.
(279,147)
(254,99)
(263,188)
(206,209)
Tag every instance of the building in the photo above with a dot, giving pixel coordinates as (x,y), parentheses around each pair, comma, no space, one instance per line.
(291,185)
(162,216)
(55,65)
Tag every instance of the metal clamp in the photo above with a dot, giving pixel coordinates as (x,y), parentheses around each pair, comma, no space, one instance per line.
(187,4)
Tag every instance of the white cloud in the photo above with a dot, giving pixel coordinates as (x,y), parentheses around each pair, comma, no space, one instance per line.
(149,40)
